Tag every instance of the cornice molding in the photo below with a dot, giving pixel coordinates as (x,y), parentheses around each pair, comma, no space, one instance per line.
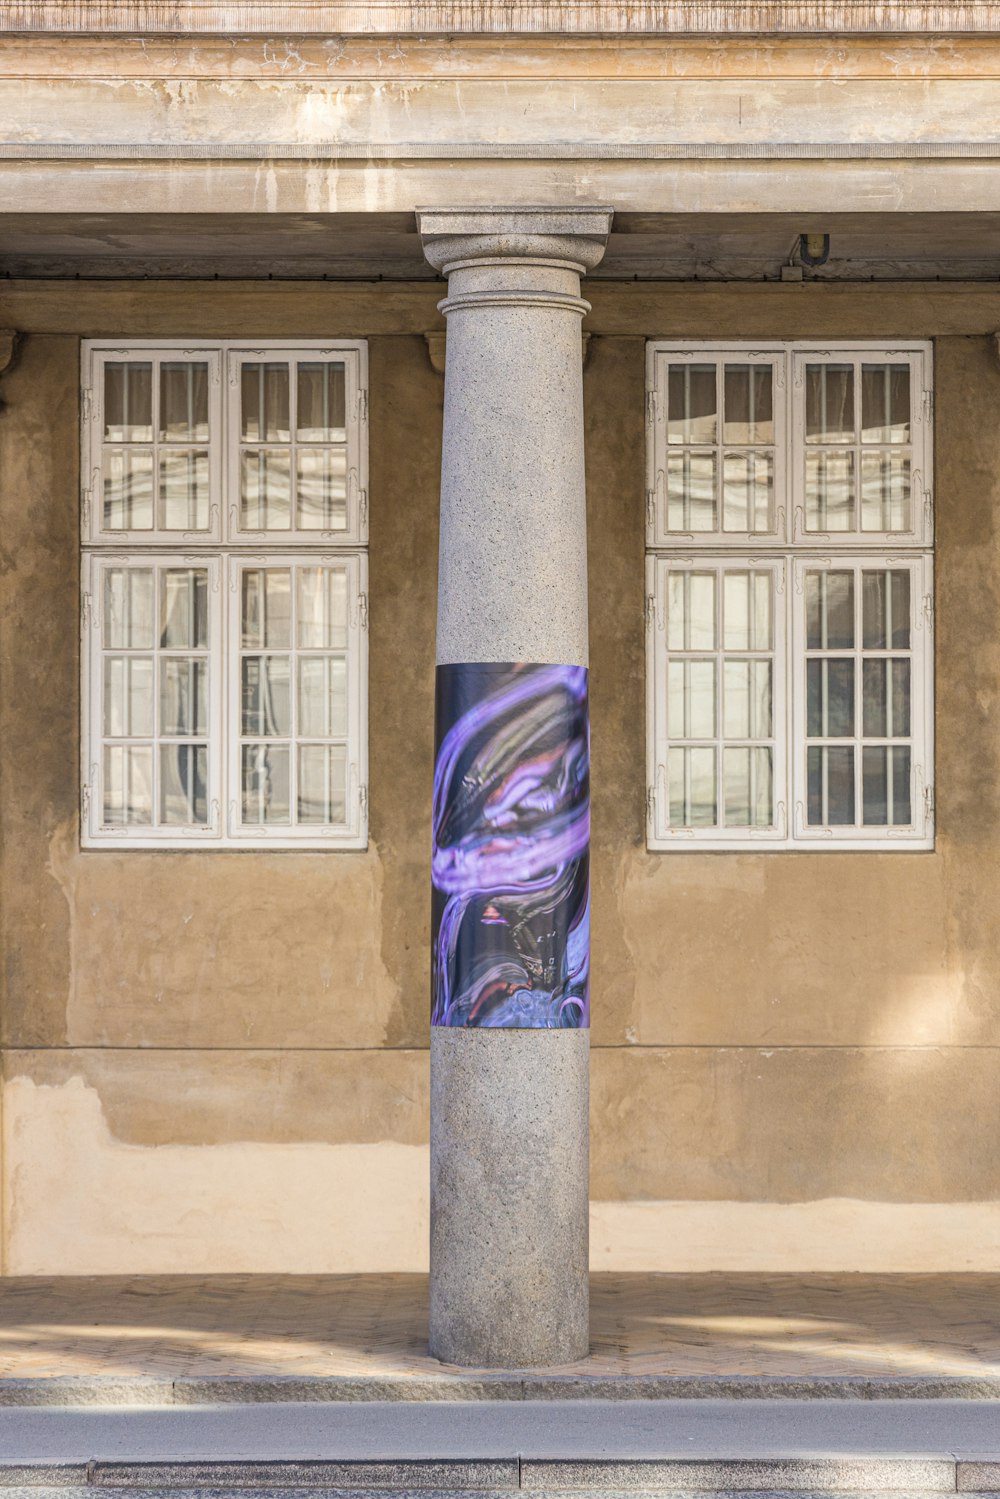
(497,17)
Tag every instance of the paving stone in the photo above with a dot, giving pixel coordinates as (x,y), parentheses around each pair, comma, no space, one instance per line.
(754,1475)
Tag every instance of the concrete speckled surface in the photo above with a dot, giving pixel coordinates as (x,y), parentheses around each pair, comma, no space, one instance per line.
(509,1166)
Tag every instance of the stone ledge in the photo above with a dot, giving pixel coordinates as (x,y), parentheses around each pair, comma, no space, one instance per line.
(96,1391)
(496,17)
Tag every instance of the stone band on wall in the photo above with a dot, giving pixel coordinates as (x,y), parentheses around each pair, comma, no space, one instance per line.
(511,830)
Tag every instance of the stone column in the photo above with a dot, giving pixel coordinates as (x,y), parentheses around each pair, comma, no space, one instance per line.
(511,928)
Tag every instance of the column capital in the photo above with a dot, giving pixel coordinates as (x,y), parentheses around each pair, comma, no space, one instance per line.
(574,236)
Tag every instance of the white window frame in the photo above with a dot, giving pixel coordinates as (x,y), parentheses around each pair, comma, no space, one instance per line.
(795,549)
(224,550)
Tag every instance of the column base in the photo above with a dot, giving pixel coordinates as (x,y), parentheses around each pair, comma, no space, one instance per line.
(509,1197)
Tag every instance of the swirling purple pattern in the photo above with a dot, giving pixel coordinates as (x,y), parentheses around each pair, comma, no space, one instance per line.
(511,866)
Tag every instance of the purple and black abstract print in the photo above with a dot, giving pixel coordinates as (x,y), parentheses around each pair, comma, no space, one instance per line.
(511,862)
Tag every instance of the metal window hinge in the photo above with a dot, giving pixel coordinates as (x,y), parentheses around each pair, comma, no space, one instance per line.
(651,407)
(363,610)
(363,404)
(651,806)
(928,404)
(363,801)
(650,508)
(929,610)
(929,800)
(85,607)
(363,505)
(87,403)
(85,804)
(650,610)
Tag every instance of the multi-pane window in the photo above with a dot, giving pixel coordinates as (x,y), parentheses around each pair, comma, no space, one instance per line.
(789,597)
(225,604)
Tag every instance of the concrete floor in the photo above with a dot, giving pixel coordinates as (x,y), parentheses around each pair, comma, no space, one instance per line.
(374,1327)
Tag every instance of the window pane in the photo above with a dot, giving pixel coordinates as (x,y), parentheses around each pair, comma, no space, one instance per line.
(691,778)
(831,785)
(746,775)
(184,491)
(128,490)
(265,490)
(885,403)
(185,609)
(746,609)
(829,491)
(184,784)
(267,607)
(322,783)
(128,608)
(902,813)
(321,403)
(886,610)
(829,611)
(692,404)
(747,487)
(830,698)
(829,403)
(691,492)
(885,492)
(264,402)
(875,785)
(128,697)
(265,784)
(876,699)
(322,600)
(183,402)
(322,489)
(899,715)
(128,785)
(183,696)
(322,696)
(747,699)
(128,402)
(749,405)
(266,705)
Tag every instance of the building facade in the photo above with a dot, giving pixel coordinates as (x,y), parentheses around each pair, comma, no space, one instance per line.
(221,448)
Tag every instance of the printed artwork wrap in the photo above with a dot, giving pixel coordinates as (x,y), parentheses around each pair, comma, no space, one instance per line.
(511,859)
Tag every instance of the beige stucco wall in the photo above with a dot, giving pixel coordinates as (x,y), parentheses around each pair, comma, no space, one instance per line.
(218,1061)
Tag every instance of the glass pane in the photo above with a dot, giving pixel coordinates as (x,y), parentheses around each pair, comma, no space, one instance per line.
(691,492)
(128,608)
(322,696)
(899,761)
(746,777)
(746,608)
(829,491)
(885,492)
(322,489)
(692,404)
(185,609)
(829,698)
(183,696)
(267,607)
(676,783)
(701,773)
(829,611)
(322,594)
(875,718)
(899,707)
(831,786)
(128,696)
(183,402)
(885,403)
(265,784)
(691,699)
(128,490)
(747,699)
(322,783)
(128,402)
(747,485)
(321,403)
(184,784)
(264,402)
(829,403)
(749,405)
(266,704)
(265,490)
(128,785)
(184,491)
(875,785)
(886,610)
